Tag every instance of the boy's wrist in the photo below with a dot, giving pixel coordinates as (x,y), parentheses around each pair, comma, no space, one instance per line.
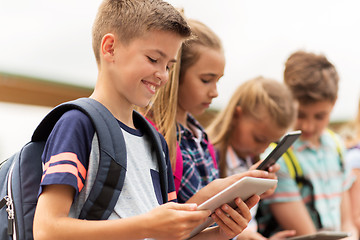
(144,225)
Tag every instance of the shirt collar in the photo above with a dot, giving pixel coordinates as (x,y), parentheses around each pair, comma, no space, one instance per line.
(185,132)
(300,145)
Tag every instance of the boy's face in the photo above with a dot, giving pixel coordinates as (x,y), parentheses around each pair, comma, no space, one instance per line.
(198,85)
(250,137)
(312,119)
(142,66)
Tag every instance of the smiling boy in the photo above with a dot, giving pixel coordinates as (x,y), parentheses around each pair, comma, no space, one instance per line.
(135,44)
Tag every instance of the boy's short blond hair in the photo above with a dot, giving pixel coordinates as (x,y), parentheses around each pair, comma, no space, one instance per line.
(129,19)
(311,78)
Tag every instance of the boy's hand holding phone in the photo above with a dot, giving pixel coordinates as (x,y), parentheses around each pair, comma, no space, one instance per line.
(269,163)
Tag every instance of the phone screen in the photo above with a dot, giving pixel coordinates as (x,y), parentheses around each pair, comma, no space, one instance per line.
(279,150)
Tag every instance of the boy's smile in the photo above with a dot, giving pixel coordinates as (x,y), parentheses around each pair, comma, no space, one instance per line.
(139,68)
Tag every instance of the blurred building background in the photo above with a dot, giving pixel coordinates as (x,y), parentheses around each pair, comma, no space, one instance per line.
(46,54)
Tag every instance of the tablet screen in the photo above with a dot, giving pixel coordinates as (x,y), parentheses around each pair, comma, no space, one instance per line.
(322,235)
(244,188)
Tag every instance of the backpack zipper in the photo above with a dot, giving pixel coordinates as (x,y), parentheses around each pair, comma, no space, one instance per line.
(10,206)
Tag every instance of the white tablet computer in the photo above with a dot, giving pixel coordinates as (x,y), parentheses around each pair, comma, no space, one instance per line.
(244,188)
(322,235)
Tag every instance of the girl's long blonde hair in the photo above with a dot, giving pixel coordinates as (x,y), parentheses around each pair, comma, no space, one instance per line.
(256,94)
(162,110)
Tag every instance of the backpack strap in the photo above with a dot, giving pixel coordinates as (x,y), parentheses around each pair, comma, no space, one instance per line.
(292,164)
(297,174)
(338,147)
(212,153)
(142,123)
(112,167)
(178,168)
(178,172)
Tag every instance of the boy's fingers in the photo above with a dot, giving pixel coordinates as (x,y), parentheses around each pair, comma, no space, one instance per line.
(184,207)
(221,224)
(251,173)
(190,210)
(252,201)
(257,173)
(274,168)
(231,221)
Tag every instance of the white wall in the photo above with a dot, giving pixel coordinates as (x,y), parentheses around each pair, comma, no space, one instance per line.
(52,39)
(17,122)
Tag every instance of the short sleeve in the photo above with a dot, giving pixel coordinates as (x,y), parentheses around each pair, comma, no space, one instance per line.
(287,189)
(172,197)
(67,150)
(353,158)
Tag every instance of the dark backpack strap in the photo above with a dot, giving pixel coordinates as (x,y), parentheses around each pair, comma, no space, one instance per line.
(112,165)
(338,148)
(143,124)
(297,174)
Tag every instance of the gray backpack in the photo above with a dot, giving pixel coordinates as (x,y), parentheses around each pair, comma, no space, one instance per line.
(21,174)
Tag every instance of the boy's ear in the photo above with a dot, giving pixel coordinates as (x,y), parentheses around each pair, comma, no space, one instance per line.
(107,47)
(238,111)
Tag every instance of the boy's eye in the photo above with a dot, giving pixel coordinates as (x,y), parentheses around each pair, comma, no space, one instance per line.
(205,81)
(170,67)
(319,117)
(301,115)
(258,140)
(152,60)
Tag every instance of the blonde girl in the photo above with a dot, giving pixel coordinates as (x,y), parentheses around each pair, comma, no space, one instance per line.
(259,112)
(199,66)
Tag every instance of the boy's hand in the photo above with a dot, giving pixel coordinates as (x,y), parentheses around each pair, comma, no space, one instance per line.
(233,221)
(250,235)
(283,235)
(174,221)
(272,175)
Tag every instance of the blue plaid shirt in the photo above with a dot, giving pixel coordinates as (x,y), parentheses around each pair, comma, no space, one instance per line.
(198,165)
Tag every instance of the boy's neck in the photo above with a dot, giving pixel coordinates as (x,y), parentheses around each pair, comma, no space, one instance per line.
(181,116)
(120,110)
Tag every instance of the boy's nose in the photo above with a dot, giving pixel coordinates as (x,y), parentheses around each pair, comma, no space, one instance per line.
(213,92)
(307,126)
(162,75)
(262,147)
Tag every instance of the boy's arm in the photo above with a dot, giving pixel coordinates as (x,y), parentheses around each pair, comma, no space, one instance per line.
(347,223)
(354,193)
(169,221)
(231,222)
(293,216)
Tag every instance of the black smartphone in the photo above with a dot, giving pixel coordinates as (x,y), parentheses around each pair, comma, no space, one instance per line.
(279,150)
